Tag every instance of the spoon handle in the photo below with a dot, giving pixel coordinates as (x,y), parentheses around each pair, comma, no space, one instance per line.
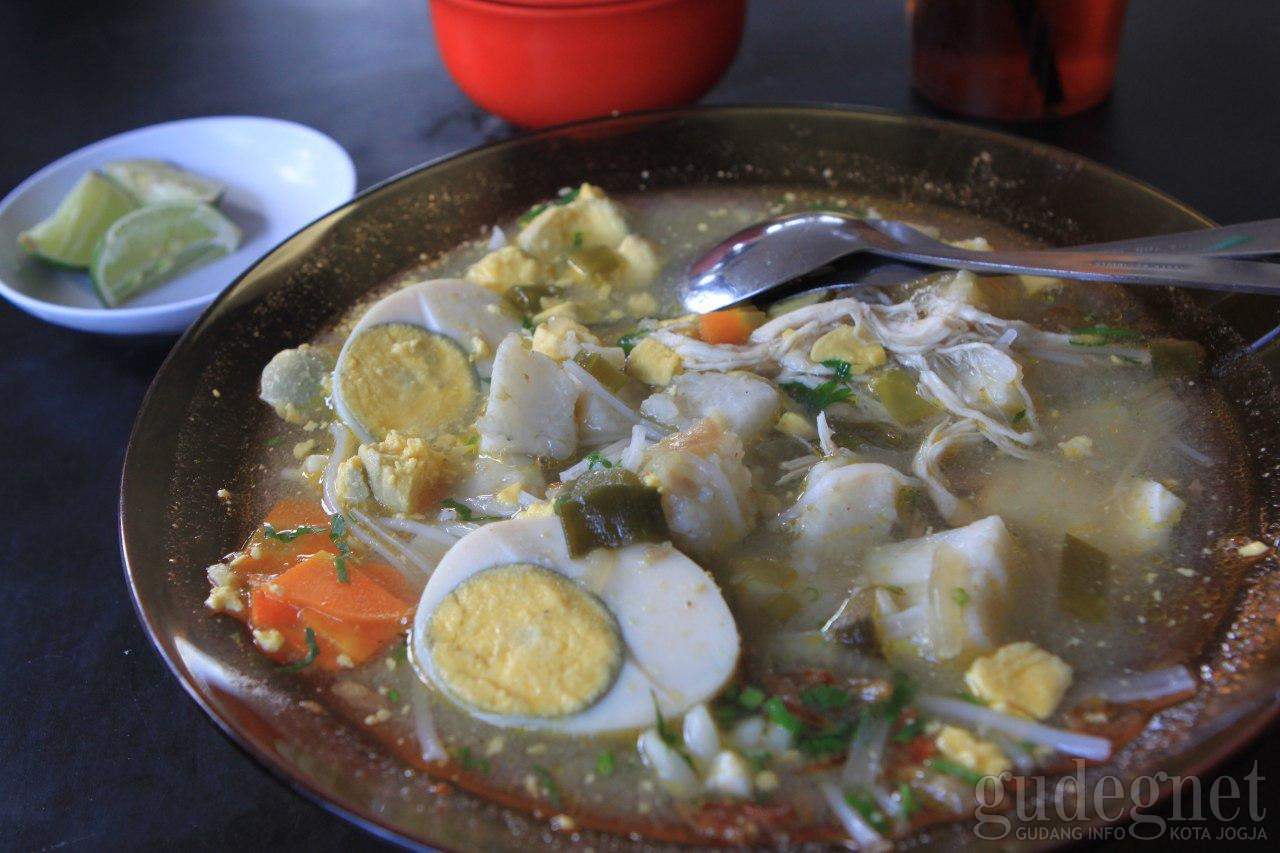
(899,240)
(1245,240)
(1189,270)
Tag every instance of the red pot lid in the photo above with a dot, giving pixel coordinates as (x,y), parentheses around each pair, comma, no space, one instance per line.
(534,4)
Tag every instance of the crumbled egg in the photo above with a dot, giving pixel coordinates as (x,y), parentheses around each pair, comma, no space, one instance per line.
(1253,549)
(967,749)
(1020,678)
(268,639)
(653,363)
(1077,447)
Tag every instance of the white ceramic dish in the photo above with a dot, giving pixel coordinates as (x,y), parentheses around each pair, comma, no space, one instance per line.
(279,176)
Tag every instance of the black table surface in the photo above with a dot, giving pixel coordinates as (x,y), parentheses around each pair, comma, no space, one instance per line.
(100,748)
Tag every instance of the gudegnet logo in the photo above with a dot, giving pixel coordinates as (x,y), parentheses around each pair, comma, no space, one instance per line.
(1075,809)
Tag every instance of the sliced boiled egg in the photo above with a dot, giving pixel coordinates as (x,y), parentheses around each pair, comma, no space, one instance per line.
(413,362)
(521,635)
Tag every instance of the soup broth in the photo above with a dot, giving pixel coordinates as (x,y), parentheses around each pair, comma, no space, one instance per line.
(808,461)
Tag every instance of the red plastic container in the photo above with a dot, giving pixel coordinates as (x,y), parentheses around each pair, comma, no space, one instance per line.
(542,62)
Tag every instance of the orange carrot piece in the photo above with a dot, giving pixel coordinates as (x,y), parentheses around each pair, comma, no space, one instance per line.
(267,612)
(295,587)
(313,584)
(274,555)
(293,512)
(357,619)
(731,326)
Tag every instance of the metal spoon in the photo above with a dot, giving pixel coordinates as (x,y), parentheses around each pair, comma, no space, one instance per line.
(776,251)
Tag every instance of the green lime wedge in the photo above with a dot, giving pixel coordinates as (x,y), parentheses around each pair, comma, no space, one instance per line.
(153,181)
(68,237)
(156,243)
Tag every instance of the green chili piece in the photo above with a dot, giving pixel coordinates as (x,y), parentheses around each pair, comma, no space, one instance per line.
(602,371)
(610,508)
(1175,359)
(896,390)
(1084,579)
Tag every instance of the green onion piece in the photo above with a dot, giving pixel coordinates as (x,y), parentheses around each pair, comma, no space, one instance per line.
(549,785)
(465,513)
(630,339)
(827,742)
(826,697)
(401,654)
(970,698)
(393,695)
(777,711)
(289,535)
(751,698)
(610,508)
(910,731)
(1109,333)
(957,771)
(1019,417)
(274,442)
(469,762)
(602,371)
(842,369)
(892,707)
(865,805)
(605,763)
(577,239)
(910,802)
(526,322)
(531,214)
(1084,579)
(313,652)
(595,460)
(960,596)
(818,397)
(668,735)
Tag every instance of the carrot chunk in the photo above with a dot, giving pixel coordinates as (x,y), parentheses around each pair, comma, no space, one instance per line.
(357,618)
(270,555)
(313,584)
(731,326)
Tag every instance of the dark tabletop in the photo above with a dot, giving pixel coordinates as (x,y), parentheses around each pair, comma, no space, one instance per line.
(99,747)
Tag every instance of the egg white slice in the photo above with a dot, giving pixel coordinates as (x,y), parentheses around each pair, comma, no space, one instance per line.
(681,643)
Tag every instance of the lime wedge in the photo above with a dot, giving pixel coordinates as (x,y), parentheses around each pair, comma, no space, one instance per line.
(68,237)
(153,181)
(157,243)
